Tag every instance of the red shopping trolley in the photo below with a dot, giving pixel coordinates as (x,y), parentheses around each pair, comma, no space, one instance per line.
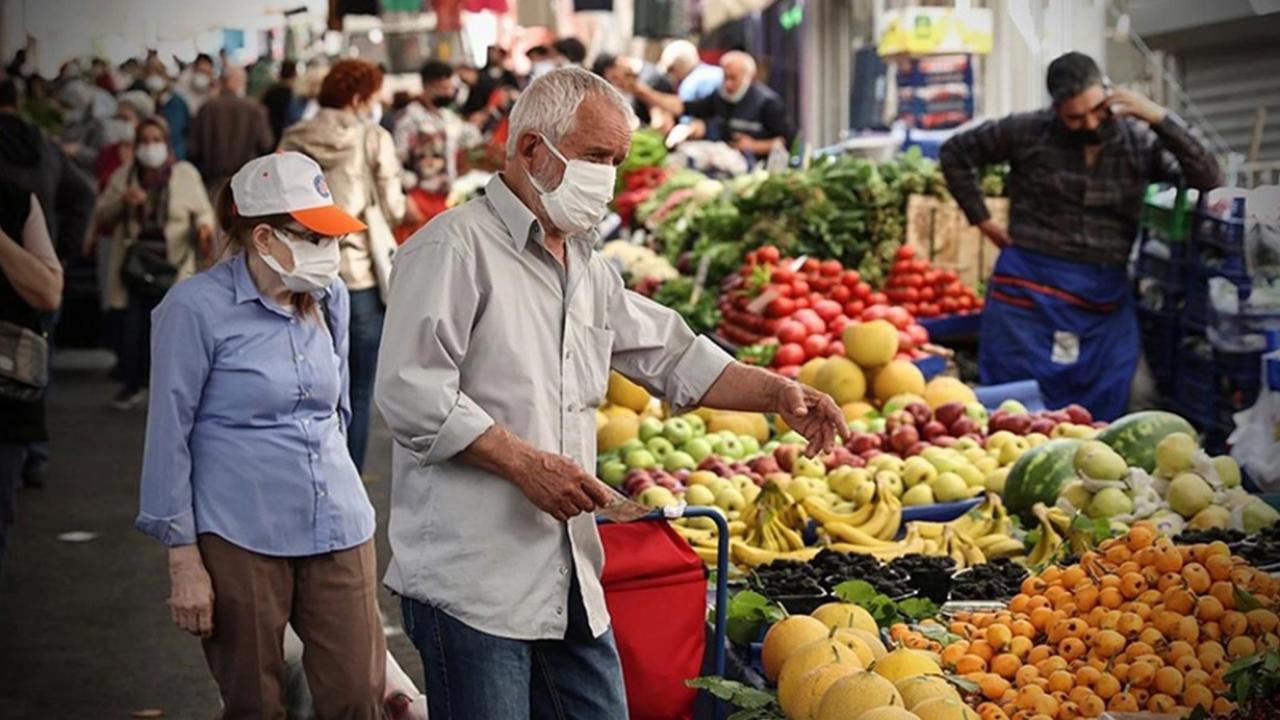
(656,590)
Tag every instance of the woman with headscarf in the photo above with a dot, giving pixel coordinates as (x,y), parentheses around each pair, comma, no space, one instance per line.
(162,222)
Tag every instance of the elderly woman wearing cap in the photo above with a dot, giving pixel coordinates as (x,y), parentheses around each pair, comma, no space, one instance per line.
(246,476)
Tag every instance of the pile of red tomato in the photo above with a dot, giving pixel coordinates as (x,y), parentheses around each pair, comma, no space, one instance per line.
(926,291)
(803,306)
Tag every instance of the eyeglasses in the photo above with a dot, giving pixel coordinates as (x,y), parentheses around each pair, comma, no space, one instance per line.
(314,238)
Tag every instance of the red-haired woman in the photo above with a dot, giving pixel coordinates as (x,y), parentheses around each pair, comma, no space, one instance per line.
(359,161)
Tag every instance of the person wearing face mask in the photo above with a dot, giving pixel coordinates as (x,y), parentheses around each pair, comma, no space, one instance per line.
(501,331)
(196,84)
(429,135)
(171,106)
(246,476)
(118,133)
(1059,306)
(744,113)
(228,131)
(359,161)
(158,204)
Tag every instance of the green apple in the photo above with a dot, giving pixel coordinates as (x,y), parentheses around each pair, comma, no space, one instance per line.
(804,467)
(698,449)
(719,484)
(650,427)
(921,494)
(612,472)
(731,499)
(699,495)
(769,447)
(656,496)
(728,448)
(996,479)
(973,477)
(793,438)
(741,482)
(863,491)
(697,423)
(876,425)
(949,487)
(678,431)
(750,492)
(916,470)
(628,446)
(844,481)
(701,477)
(750,445)
(802,487)
(857,427)
(886,461)
(640,460)
(660,447)
(706,523)
(976,412)
(678,460)
(892,481)
(1013,407)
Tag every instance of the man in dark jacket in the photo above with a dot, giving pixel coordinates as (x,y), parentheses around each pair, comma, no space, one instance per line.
(228,131)
(29,159)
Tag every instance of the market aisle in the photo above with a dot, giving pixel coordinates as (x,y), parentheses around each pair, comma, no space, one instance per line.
(84,630)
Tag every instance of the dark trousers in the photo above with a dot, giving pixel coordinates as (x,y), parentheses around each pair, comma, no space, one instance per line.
(366,334)
(13,456)
(332,602)
(135,341)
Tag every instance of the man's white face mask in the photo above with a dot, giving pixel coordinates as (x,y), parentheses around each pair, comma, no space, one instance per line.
(582,197)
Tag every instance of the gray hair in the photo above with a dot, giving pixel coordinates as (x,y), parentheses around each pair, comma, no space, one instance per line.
(744,59)
(550,104)
(680,55)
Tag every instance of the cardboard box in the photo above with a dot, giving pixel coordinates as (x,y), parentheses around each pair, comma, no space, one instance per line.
(940,232)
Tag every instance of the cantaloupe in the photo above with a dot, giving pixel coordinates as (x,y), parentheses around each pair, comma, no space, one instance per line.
(617,431)
(842,379)
(853,695)
(872,639)
(785,638)
(904,663)
(810,657)
(805,700)
(845,615)
(944,709)
(888,713)
(871,343)
(922,688)
(626,393)
(944,389)
(853,639)
(809,371)
(856,410)
(897,378)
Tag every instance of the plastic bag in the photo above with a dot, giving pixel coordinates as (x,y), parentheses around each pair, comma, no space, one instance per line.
(1255,443)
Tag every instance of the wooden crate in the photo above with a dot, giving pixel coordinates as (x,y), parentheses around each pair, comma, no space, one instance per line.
(941,232)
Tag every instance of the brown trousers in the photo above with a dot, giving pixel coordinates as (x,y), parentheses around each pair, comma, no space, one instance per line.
(332,602)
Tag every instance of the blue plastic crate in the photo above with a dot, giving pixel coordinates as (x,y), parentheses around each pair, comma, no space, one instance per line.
(1195,304)
(1239,378)
(1170,272)
(1194,384)
(1161,333)
(1225,234)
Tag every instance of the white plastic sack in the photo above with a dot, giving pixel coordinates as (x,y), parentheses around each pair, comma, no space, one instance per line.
(1255,443)
(401,698)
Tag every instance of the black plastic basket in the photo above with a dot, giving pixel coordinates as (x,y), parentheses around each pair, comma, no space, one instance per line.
(1160,336)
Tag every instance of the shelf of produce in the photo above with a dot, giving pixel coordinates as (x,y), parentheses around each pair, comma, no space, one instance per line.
(946,327)
(930,366)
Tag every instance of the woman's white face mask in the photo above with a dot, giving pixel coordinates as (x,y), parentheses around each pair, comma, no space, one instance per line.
(582,197)
(315,265)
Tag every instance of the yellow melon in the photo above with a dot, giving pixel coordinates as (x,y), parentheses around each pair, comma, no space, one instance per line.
(810,657)
(845,615)
(856,410)
(871,343)
(804,703)
(617,431)
(614,412)
(888,713)
(601,419)
(904,663)
(626,393)
(809,371)
(897,378)
(922,688)
(855,694)
(944,708)
(872,639)
(785,638)
(850,638)
(842,379)
(943,389)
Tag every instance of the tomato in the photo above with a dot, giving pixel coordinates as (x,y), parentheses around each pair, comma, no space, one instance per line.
(919,265)
(932,277)
(810,266)
(918,334)
(850,278)
(815,345)
(853,308)
(927,294)
(878,298)
(964,303)
(751,257)
(768,254)
(899,317)
(830,268)
(835,348)
(979,302)
(902,267)
(914,280)
(948,305)
(781,307)
(862,291)
(812,322)
(911,295)
(799,288)
(837,325)
(822,284)
(791,331)
(905,341)
(802,302)
(955,289)
(791,372)
(928,310)
(875,312)
(789,354)
(949,276)
(911,307)
(828,310)
(906,252)
(841,294)
(782,274)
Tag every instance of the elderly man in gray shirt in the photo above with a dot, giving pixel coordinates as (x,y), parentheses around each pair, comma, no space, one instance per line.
(501,330)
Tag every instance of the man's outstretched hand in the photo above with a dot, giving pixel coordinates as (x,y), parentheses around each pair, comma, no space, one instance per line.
(811,413)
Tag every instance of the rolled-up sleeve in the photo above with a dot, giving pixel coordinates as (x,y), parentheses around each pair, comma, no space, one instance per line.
(434,301)
(338,300)
(182,352)
(656,349)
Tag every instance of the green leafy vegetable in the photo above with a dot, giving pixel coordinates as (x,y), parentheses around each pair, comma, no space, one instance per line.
(748,612)
(752,704)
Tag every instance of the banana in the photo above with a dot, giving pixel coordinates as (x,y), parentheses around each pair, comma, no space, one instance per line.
(689,533)
(855,536)
(744,554)
(994,546)
(894,521)
(929,530)
(824,515)
(710,556)
(737,528)
(1050,540)
(790,537)
(973,555)
(880,518)
(931,547)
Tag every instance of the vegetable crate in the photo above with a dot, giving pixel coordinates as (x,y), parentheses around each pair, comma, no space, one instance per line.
(1168,223)
(1160,335)
(656,590)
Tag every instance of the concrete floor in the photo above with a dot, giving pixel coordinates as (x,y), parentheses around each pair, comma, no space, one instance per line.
(84,629)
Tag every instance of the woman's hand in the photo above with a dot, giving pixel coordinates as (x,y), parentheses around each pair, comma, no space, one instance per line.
(191,591)
(134,196)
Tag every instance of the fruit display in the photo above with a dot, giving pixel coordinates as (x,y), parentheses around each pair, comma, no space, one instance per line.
(1140,624)
(925,291)
(642,268)
(998,579)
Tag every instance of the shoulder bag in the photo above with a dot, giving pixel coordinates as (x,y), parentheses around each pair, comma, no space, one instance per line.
(24,363)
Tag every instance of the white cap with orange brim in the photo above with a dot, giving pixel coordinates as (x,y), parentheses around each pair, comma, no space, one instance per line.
(290,183)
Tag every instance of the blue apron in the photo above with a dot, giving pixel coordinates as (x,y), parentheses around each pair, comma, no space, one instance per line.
(1071,327)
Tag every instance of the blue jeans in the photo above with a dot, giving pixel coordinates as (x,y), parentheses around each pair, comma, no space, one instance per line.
(362,359)
(471,674)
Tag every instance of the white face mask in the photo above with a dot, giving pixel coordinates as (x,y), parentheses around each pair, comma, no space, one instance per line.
(152,154)
(582,197)
(542,67)
(155,83)
(116,131)
(315,266)
(373,114)
(736,97)
(200,82)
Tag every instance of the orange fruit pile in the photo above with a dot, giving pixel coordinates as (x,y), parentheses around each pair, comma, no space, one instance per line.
(1139,624)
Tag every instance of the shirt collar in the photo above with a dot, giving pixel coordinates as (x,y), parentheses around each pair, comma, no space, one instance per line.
(522,225)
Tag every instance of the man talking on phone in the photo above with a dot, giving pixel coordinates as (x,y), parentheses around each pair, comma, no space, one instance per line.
(1059,305)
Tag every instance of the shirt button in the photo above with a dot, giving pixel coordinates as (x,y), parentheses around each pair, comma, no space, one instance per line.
(306,393)
(298,357)
(322,493)
(564,570)
(293,321)
(306,421)
(559,611)
(315,456)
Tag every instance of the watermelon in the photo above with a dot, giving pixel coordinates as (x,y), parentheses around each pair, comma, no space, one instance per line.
(1038,476)
(1136,435)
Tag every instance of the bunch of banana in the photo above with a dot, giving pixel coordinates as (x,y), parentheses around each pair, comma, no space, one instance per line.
(989,518)
(705,541)
(961,549)
(750,556)
(883,550)
(878,520)
(773,521)
(1054,526)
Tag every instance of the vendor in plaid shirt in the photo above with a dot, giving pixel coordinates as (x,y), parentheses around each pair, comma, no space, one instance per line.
(1059,307)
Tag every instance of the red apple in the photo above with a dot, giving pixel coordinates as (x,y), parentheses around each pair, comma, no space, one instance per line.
(920,412)
(868,455)
(933,429)
(864,442)
(904,437)
(948,413)
(764,465)
(1019,424)
(963,425)
(980,440)
(786,456)
(1078,414)
(1042,425)
(839,457)
(915,449)
(944,441)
